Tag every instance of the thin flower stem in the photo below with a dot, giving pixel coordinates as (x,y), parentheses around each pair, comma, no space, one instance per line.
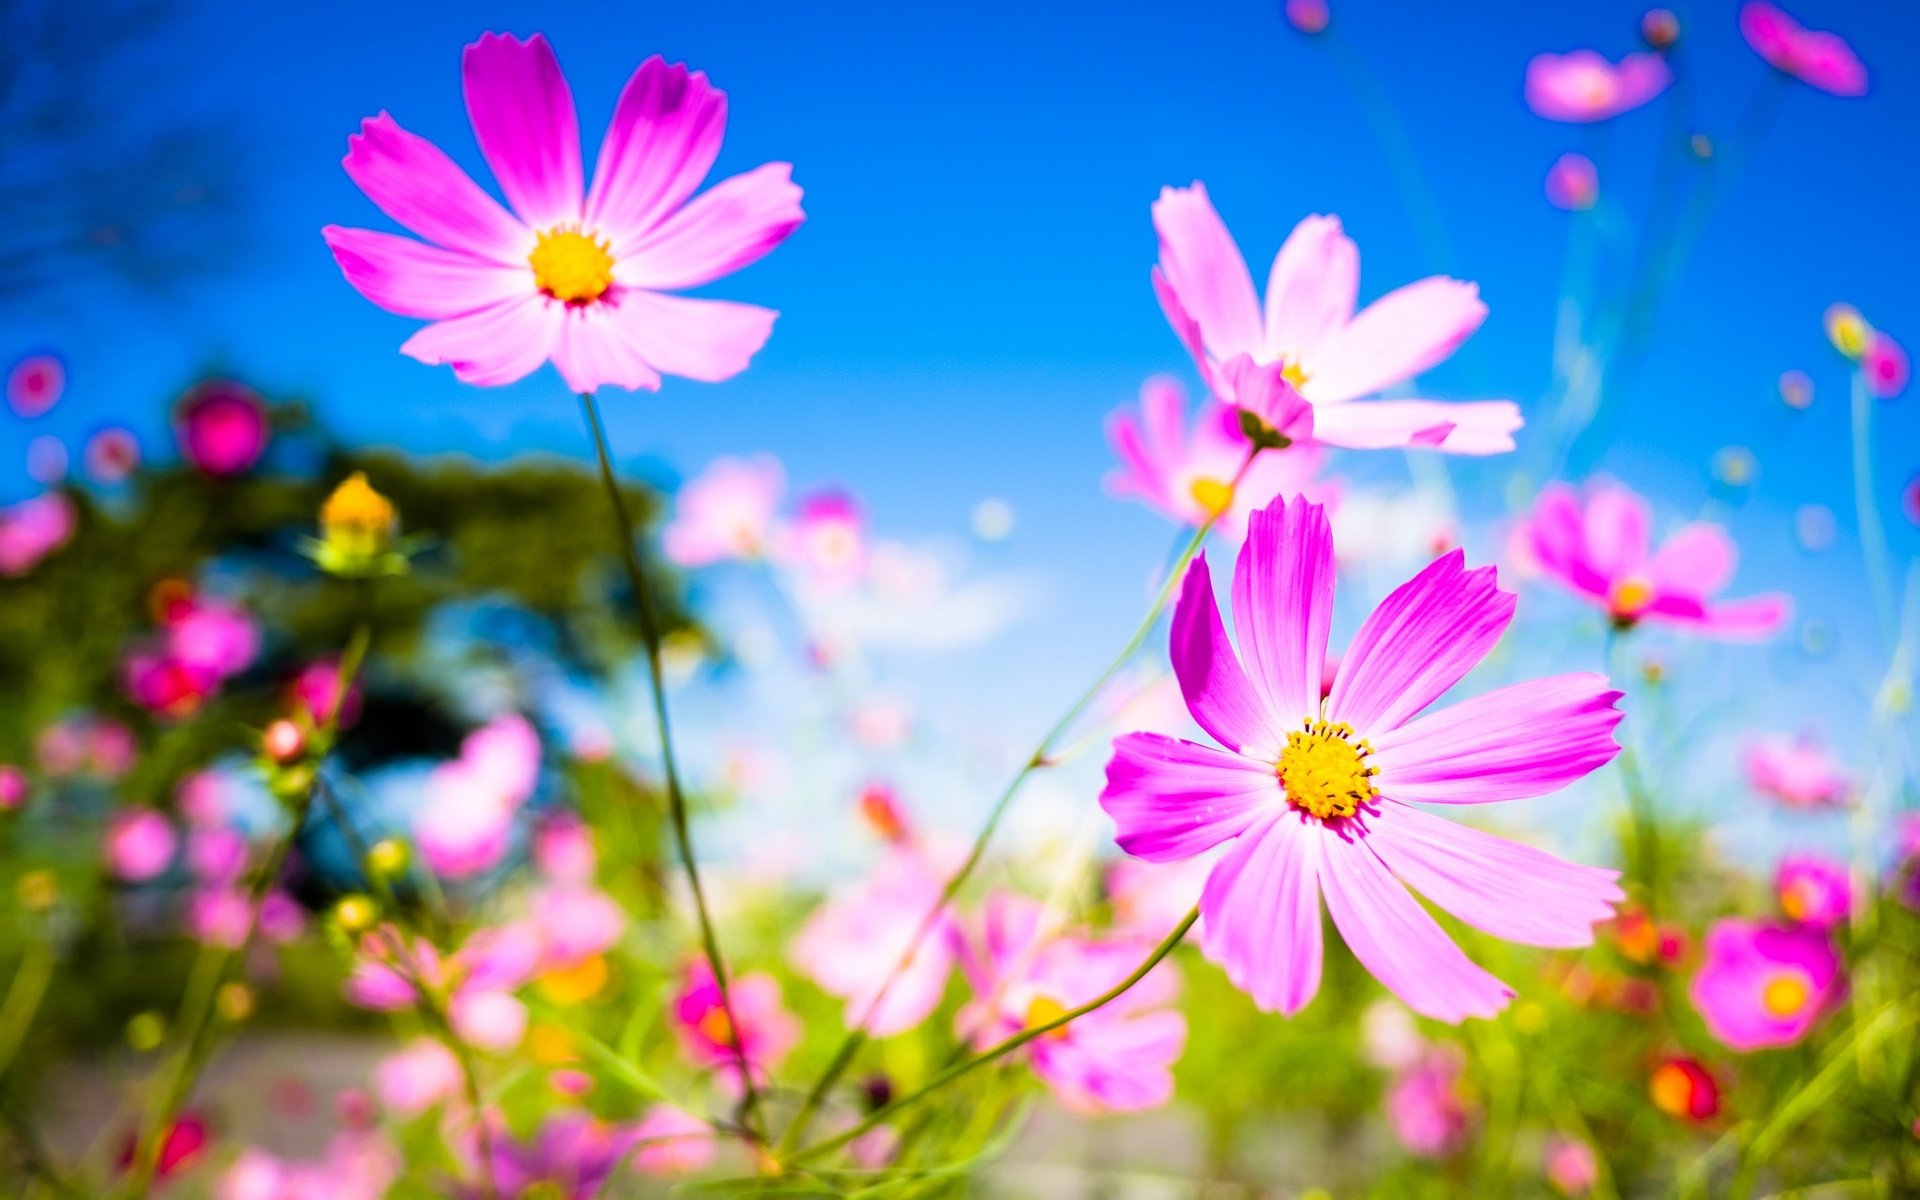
(1873,534)
(1001,1049)
(29,987)
(212,964)
(676,798)
(1042,756)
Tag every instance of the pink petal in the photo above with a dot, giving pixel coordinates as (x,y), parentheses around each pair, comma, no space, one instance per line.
(523,118)
(1616,525)
(593,350)
(1754,619)
(665,134)
(1206,272)
(1696,560)
(1184,326)
(1477,427)
(1395,338)
(1503,888)
(1421,641)
(1526,739)
(1558,539)
(1283,604)
(708,340)
(735,222)
(1261,907)
(1172,799)
(417,185)
(415,279)
(493,346)
(1312,288)
(1218,693)
(1395,939)
(1264,390)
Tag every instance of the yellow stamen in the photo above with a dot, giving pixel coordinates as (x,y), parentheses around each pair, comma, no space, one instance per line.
(1629,598)
(715,1027)
(1295,375)
(1786,993)
(1672,1090)
(579,982)
(1212,495)
(1045,1009)
(570,265)
(1324,770)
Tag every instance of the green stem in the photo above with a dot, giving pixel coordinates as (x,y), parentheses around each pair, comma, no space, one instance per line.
(29,986)
(1873,534)
(676,797)
(1000,1050)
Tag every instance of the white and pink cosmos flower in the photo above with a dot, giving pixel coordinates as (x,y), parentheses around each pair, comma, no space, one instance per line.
(1817,59)
(575,274)
(1583,86)
(730,510)
(853,942)
(1315,797)
(478,980)
(1796,771)
(1766,984)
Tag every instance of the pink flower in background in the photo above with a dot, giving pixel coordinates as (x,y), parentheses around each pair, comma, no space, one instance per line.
(767,1030)
(466,825)
(417,1077)
(1884,366)
(1814,890)
(571,1158)
(316,690)
(222,427)
(1763,984)
(139,844)
(727,511)
(1150,898)
(1310,344)
(672,1141)
(32,529)
(1798,772)
(203,642)
(1307,16)
(96,745)
(563,850)
(35,384)
(1821,60)
(479,979)
(828,540)
(1573,183)
(13,788)
(1597,546)
(851,944)
(1316,798)
(1118,1058)
(575,923)
(1186,472)
(1583,86)
(576,274)
(1427,1105)
(1570,1166)
(221,916)
(112,455)
(358,1164)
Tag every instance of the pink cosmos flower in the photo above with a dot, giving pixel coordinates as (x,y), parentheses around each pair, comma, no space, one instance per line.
(828,540)
(1814,890)
(316,690)
(563,850)
(672,1141)
(1573,183)
(139,844)
(222,427)
(1427,1106)
(571,1157)
(1117,1058)
(35,384)
(1570,1166)
(358,1164)
(466,825)
(1797,772)
(1186,473)
(1583,86)
(1149,898)
(1764,984)
(1884,366)
(575,922)
(418,1076)
(727,511)
(478,979)
(1597,546)
(576,274)
(1316,797)
(852,943)
(13,788)
(1310,345)
(111,455)
(100,746)
(767,1030)
(1821,60)
(32,529)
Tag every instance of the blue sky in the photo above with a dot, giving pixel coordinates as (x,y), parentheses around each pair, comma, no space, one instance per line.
(969,296)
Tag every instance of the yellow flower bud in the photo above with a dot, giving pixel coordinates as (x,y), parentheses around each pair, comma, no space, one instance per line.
(357,530)
(1848,330)
(356,914)
(388,858)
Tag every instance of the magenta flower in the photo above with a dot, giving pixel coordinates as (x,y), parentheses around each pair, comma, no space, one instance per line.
(1427,1106)
(571,1158)
(1309,345)
(1573,183)
(1583,86)
(479,979)
(575,922)
(1186,472)
(671,1141)
(767,1031)
(466,825)
(1884,366)
(13,788)
(576,274)
(827,543)
(1117,1058)
(222,427)
(1797,772)
(1814,890)
(139,845)
(727,511)
(1597,546)
(32,529)
(1821,60)
(35,384)
(1764,984)
(852,943)
(415,1078)
(111,455)
(1317,797)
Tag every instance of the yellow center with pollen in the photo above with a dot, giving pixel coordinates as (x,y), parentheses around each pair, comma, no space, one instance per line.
(715,1027)
(1786,994)
(1324,770)
(1045,1009)
(1295,375)
(1211,495)
(571,266)
(1629,598)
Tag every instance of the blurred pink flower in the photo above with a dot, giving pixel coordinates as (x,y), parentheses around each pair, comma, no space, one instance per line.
(1186,473)
(767,1031)
(35,384)
(1583,86)
(1765,984)
(203,641)
(1597,546)
(316,690)
(1118,1058)
(1570,1166)
(827,543)
(851,944)
(281,919)
(571,1157)
(1317,797)
(100,746)
(359,1164)
(1821,60)
(1150,898)
(465,827)
(32,529)
(727,511)
(575,922)
(1884,366)
(1310,345)
(575,275)
(1814,890)
(1798,772)
(1427,1106)
(1573,183)
(671,1141)
(417,1077)
(220,915)
(563,850)
(216,854)
(111,455)
(139,844)
(13,788)
(1307,16)
(222,427)
(478,979)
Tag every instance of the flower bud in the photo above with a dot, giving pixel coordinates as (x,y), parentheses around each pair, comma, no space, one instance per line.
(356,914)
(358,526)
(146,1030)
(284,742)
(1847,330)
(1659,28)
(388,858)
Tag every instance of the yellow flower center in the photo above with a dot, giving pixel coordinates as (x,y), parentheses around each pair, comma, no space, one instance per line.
(715,1027)
(1786,993)
(1629,598)
(354,507)
(1211,495)
(1324,770)
(1796,899)
(1294,374)
(1848,330)
(1672,1090)
(570,265)
(1045,1009)
(577,983)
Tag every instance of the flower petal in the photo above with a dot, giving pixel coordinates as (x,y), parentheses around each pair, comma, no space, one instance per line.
(1754,619)
(1204,269)
(592,350)
(1219,695)
(1283,604)
(1499,887)
(522,114)
(1395,939)
(1184,326)
(1696,560)
(735,222)
(708,340)
(1557,538)
(1312,288)
(1616,526)
(1261,909)
(1526,739)
(1477,427)
(1422,639)
(493,345)
(665,134)
(416,184)
(414,279)
(1171,799)
(1395,338)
